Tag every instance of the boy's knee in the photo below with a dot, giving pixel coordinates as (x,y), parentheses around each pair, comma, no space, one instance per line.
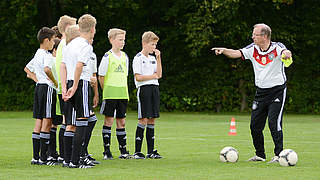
(143,121)
(70,128)
(108,121)
(121,123)
(151,121)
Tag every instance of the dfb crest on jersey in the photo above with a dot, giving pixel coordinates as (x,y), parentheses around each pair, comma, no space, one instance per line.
(271,56)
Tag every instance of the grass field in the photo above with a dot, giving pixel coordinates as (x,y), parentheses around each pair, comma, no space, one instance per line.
(190,143)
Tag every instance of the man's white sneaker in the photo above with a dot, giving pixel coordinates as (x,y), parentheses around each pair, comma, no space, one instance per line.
(256,158)
(275,159)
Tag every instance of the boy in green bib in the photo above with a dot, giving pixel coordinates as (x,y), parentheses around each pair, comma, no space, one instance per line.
(113,73)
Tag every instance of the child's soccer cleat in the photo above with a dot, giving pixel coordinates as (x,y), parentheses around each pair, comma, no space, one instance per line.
(65,164)
(80,166)
(125,155)
(60,159)
(275,159)
(34,161)
(256,158)
(154,155)
(86,161)
(107,155)
(138,155)
(93,159)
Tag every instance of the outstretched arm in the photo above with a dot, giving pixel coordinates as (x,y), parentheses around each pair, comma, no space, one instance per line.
(230,53)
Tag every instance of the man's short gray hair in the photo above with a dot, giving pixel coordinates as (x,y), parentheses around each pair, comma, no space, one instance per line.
(265,30)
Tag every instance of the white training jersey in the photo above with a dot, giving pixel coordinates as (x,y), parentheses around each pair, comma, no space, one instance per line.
(144,66)
(267,65)
(103,67)
(30,65)
(93,64)
(78,50)
(42,59)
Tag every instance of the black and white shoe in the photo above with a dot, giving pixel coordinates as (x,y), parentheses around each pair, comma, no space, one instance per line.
(256,158)
(80,166)
(65,164)
(107,155)
(139,155)
(60,159)
(154,155)
(125,155)
(51,161)
(34,161)
(93,159)
(86,161)
(47,163)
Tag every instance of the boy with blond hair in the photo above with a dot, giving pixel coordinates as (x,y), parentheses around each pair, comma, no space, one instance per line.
(113,73)
(75,79)
(147,70)
(72,32)
(63,23)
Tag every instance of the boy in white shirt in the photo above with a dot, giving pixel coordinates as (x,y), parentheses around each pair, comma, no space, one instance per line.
(147,70)
(75,78)
(45,96)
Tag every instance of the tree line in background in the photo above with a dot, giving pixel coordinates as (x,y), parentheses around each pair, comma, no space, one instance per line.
(194,79)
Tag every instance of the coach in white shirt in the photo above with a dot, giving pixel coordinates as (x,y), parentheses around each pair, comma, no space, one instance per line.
(268,60)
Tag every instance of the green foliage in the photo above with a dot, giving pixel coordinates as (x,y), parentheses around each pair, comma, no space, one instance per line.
(194,79)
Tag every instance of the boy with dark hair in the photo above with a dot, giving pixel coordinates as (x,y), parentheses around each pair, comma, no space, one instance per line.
(57,120)
(44,97)
(147,70)
(58,34)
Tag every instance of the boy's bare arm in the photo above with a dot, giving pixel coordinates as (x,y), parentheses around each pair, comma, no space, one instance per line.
(140,77)
(48,72)
(31,75)
(63,77)
(96,93)
(101,81)
(159,66)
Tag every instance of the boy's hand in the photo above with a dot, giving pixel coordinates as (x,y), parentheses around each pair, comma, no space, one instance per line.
(64,94)
(157,52)
(155,76)
(71,92)
(93,81)
(95,101)
(55,84)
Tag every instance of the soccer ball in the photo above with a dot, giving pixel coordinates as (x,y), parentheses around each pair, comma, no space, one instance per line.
(288,157)
(229,154)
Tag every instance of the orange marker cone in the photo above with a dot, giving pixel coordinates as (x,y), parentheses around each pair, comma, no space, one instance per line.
(233,130)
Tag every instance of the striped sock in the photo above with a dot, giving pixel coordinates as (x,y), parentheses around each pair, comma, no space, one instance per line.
(139,137)
(36,145)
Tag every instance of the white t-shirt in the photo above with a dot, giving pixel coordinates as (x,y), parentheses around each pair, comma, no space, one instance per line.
(93,63)
(144,66)
(78,50)
(30,65)
(103,67)
(267,65)
(42,59)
